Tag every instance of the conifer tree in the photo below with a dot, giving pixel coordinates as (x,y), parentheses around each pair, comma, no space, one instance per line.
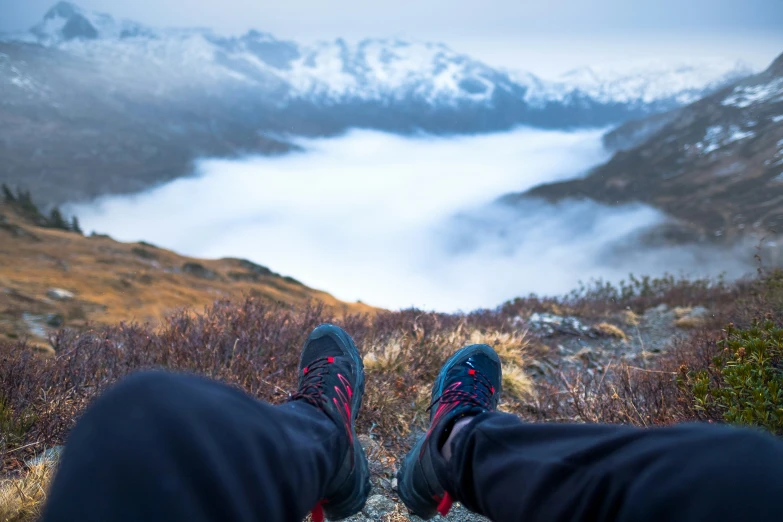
(9,196)
(56,219)
(75,225)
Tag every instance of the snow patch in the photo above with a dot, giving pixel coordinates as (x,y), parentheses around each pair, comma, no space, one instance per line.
(711,139)
(745,96)
(718,136)
(737,134)
(655,80)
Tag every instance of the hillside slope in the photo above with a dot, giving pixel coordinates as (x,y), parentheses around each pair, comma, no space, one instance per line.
(53,278)
(716,165)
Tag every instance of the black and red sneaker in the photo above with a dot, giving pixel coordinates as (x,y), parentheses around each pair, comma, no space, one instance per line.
(332,379)
(468,384)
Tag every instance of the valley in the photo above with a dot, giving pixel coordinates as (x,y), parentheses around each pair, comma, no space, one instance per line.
(124,107)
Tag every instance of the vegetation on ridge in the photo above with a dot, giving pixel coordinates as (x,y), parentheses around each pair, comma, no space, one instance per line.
(22,202)
(50,279)
(710,373)
(254,345)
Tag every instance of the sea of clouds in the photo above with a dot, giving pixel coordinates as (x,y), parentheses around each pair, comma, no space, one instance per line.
(407,221)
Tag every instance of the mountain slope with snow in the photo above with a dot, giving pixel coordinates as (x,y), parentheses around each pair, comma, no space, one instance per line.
(373,70)
(133,105)
(716,165)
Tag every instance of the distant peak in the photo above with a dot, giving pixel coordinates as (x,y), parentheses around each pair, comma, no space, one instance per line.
(63,10)
(258,36)
(66,21)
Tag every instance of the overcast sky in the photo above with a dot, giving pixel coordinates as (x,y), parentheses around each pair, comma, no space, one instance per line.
(545,37)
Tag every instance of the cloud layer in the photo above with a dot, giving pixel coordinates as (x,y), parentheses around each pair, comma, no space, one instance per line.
(399,222)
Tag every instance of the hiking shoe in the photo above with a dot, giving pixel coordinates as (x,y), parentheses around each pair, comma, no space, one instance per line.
(331,378)
(468,384)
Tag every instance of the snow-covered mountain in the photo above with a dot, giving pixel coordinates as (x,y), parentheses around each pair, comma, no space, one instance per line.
(92,105)
(386,71)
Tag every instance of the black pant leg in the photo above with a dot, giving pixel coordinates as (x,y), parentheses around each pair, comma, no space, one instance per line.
(179,448)
(512,471)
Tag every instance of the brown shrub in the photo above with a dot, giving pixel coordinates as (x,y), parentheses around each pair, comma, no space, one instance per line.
(251,345)
(255,346)
(599,299)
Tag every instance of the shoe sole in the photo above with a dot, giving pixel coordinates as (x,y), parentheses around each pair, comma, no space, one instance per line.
(424,507)
(355,501)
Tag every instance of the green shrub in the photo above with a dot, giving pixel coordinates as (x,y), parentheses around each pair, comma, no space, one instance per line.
(13,425)
(744,383)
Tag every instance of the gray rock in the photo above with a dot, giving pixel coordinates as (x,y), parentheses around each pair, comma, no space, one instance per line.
(590,357)
(199,270)
(59,294)
(35,324)
(377,506)
(369,444)
(547,325)
(54,320)
(699,312)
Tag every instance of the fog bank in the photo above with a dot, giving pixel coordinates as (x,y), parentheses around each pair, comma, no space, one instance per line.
(405,221)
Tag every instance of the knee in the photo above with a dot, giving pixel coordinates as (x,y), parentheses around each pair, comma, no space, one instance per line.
(129,426)
(146,386)
(141,398)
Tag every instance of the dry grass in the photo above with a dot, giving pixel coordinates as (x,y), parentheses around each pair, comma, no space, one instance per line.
(681,311)
(512,347)
(689,323)
(21,499)
(404,364)
(517,384)
(629,318)
(610,330)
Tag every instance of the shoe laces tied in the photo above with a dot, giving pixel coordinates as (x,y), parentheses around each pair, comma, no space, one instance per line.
(479,392)
(311,388)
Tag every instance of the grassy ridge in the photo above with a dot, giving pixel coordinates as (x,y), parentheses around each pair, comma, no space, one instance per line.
(112,281)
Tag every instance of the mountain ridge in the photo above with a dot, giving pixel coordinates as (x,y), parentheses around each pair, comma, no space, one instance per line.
(392,62)
(123,107)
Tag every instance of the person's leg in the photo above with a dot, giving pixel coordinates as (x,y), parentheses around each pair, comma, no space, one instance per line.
(510,471)
(174,447)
